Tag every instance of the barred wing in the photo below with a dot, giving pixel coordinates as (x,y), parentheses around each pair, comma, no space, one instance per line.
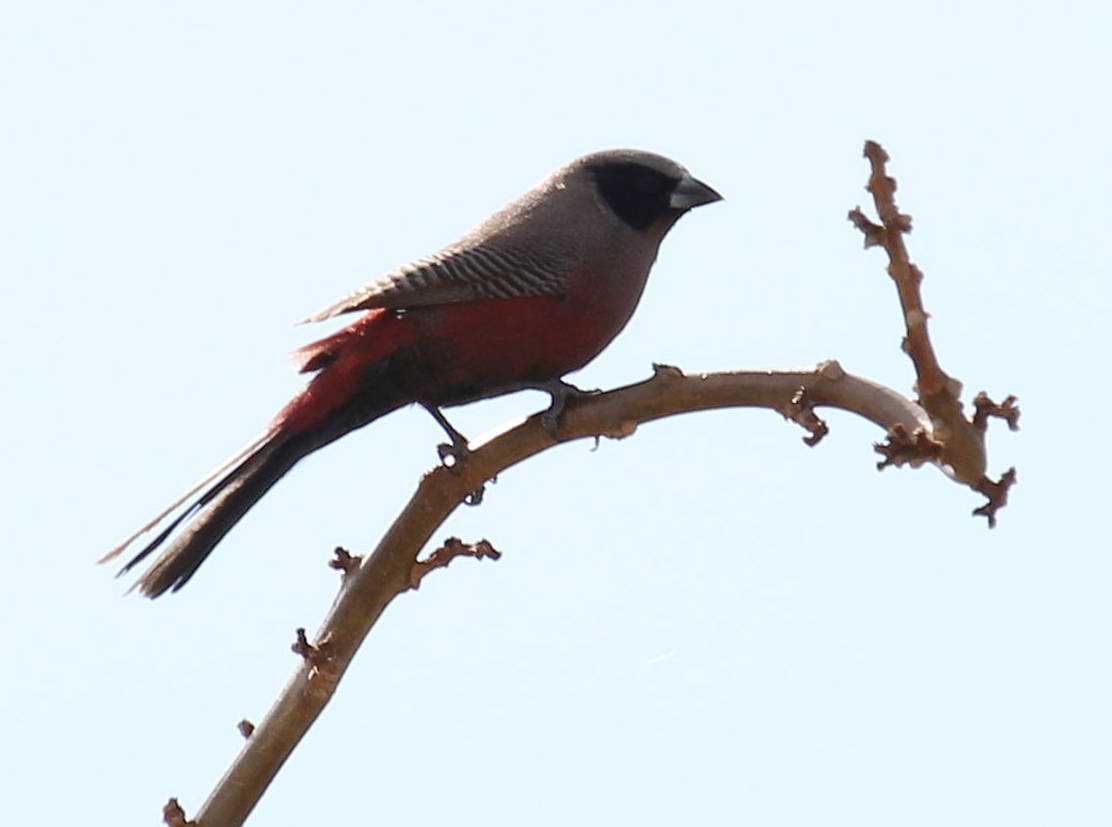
(461,275)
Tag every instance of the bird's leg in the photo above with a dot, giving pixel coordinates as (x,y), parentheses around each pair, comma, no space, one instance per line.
(560,392)
(458,449)
(455,452)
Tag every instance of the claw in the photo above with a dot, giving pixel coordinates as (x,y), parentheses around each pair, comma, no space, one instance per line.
(454,452)
(457,449)
(451,454)
(561,392)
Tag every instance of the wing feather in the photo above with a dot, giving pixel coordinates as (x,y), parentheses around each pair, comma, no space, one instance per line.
(461,274)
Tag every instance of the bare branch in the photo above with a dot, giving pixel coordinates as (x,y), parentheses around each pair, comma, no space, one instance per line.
(955,442)
(390,570)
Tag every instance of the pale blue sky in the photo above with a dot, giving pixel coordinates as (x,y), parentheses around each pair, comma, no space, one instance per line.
(707,623)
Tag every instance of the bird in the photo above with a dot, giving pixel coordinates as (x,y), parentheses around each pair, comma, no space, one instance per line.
(534,292)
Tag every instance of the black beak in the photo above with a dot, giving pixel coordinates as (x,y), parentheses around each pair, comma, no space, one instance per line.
(691,192)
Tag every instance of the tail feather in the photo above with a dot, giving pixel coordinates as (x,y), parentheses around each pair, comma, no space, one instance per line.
(246,478)
(224,468)
(354,385)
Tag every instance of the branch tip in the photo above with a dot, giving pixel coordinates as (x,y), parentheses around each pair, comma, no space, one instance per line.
(986,409)
(174,816)
(874,233)
(318,657)
(875,152)
(883,189)
(344,561)
(453,547)
(246,728)
(801,410)
(997,493)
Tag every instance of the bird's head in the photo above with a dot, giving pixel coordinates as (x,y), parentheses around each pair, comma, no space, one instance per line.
(643,189)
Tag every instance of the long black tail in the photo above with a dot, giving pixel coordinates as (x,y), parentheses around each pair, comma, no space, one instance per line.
(213,512)
(218,502)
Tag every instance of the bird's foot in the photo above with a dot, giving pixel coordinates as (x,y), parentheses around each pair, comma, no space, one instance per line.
(561,392)
(453,453)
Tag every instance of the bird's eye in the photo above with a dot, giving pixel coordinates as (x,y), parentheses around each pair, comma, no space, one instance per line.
(636,193)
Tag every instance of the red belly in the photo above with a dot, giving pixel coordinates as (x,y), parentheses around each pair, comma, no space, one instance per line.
(468,351)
